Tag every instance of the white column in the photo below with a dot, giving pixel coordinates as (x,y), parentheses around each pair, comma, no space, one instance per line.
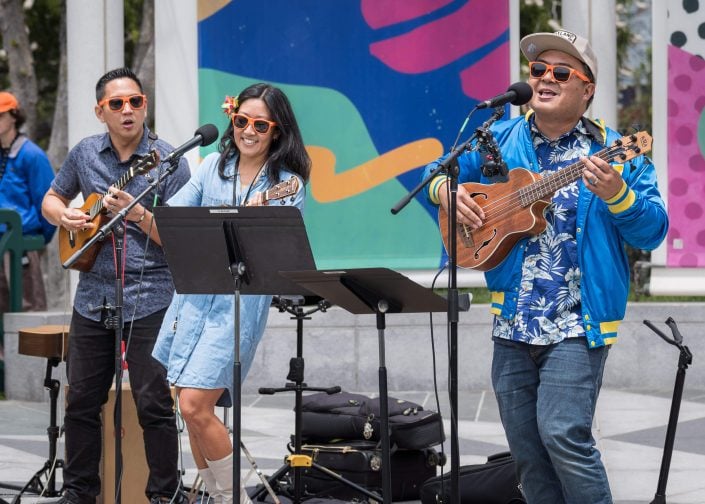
(514,54)
(659,120)
(176,70)
(596,21)
(94,45)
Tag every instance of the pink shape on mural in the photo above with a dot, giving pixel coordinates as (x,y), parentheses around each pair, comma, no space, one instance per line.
(381,13)
(686,209)
(488,76)
(443,41)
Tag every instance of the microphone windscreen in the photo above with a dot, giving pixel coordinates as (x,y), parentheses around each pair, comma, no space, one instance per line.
(523,91)
(209,133)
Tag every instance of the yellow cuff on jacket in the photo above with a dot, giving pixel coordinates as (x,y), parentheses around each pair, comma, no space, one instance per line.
(624,198)
(434,187)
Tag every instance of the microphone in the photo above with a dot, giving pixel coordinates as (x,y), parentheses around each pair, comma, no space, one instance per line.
(205,135)
(518,93)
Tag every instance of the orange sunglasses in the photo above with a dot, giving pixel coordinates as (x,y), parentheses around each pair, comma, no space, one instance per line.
(560,73)
(241,121)
(116,103)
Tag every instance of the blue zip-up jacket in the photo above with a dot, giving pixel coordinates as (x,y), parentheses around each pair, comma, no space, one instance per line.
(28,176)
(635,216)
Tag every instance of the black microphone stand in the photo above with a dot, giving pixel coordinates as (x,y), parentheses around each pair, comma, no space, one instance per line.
(449,166)
(115,318)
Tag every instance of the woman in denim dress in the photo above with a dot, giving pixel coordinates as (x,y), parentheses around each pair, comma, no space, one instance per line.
(261,147)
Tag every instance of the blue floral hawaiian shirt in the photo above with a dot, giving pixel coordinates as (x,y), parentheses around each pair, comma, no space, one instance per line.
(548,307)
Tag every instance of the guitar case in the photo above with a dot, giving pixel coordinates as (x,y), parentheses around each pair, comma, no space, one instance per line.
(494,482)
(360,462)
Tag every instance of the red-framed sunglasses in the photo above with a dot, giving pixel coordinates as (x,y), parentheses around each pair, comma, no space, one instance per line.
(241,121)
(560,73)
(116,103)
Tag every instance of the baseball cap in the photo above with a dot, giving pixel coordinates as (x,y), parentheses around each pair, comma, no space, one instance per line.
(7,101)
(561,40)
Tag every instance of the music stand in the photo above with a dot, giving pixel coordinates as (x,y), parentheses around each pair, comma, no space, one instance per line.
(379,291)
(234,251)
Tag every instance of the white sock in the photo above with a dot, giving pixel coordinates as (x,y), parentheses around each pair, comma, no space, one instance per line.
(208,480)
(222,471)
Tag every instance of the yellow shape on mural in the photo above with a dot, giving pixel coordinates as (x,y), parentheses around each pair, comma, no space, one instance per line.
(328,186)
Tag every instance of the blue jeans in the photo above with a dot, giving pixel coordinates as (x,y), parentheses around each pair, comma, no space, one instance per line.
(91,368)
(546,397)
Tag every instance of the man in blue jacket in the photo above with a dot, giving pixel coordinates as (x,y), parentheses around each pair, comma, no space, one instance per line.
(558,297)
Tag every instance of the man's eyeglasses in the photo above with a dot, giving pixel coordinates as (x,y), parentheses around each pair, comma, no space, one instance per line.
(560,73)
(241,121)
(116,103)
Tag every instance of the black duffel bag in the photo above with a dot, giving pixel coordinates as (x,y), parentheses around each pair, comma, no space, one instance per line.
(346,416)
(494,482)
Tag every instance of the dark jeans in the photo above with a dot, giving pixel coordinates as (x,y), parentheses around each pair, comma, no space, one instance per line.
(91,369)
(546,396)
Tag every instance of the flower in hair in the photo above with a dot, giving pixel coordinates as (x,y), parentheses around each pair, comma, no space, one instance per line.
(230,105)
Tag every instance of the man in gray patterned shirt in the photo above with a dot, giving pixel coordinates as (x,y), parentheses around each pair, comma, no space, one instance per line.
(94,166)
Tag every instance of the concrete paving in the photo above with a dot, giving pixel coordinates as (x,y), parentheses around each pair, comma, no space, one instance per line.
(630,429)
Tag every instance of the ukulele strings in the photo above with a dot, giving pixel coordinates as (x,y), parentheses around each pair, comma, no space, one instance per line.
(141,164)
(507,204)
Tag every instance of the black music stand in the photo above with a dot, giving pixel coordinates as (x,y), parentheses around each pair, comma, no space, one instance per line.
(232,251)
(379,291)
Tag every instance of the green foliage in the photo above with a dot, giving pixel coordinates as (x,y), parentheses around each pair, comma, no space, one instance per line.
(43,20)
(44,23)
(133,23)
(539,16)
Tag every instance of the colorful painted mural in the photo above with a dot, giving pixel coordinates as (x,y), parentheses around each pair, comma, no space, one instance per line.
(686,134)
(380,88)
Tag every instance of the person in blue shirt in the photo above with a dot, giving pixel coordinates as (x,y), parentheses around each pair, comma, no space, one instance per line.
(559,296)
(93,166)
(25,175)
(261,147)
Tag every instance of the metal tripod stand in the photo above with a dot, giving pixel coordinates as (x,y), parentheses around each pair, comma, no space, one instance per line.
(297,461)
(684,360)
(47,473)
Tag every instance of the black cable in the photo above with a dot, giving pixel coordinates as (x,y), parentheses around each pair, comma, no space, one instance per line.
(435,370)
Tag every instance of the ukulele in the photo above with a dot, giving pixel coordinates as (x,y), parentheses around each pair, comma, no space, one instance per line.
(281,190)
(72,241)
(514,209)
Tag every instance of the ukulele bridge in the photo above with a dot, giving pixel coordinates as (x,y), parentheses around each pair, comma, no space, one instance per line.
(466,236)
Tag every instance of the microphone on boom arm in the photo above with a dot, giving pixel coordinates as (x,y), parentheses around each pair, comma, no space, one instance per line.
(518,93)
(205,135)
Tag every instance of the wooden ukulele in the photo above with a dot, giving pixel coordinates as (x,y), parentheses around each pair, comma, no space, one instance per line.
(514,209)
(72,241)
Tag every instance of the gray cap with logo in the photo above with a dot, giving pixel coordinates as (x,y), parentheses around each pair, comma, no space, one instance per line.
(561,40)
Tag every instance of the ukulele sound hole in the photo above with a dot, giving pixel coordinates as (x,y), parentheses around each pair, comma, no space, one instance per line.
(485,244)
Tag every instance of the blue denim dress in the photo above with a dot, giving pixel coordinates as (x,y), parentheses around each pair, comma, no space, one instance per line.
(196,342)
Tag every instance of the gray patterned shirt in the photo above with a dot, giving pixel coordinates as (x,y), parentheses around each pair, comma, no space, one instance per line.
(92,166)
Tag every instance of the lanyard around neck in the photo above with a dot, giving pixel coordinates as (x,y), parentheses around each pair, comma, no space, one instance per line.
(236,175)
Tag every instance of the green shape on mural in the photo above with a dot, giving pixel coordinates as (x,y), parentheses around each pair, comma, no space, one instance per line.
(359,231)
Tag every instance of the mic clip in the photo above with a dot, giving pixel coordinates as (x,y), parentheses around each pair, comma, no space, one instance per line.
(493,166)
